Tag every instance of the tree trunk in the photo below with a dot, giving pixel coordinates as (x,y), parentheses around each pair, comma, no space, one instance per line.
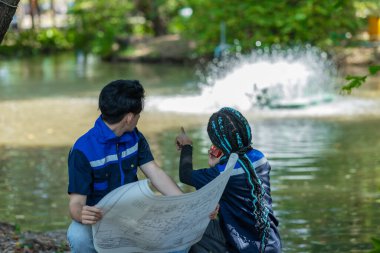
(159,26)
(52,9)
(150,10)
(7,10)
(31,7)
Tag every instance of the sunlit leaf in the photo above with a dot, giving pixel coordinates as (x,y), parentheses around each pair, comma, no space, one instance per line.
(374,69)
(357,81)
(354,82)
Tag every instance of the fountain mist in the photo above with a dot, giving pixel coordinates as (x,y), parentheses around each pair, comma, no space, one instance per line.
(275,78)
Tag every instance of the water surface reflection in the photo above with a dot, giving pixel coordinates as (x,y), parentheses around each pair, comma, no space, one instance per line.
(325,178)
(61,75)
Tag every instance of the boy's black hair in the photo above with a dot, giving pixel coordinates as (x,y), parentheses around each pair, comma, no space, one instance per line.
(229,131)
(120,97)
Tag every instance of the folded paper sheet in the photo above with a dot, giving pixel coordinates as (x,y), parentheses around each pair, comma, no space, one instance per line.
(137,220)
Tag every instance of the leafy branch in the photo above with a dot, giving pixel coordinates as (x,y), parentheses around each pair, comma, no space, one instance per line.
(376,244)
(357,81)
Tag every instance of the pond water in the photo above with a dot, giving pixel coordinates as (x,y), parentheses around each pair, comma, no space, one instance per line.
(325,170)
(63,75)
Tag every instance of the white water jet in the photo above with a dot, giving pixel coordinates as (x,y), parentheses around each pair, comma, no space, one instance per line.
(281,80)
(290,78)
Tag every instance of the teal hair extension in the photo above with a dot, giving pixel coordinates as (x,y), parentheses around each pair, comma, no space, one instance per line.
(220,122)
(250,182)
(218,136)
(254,171)
(240,116)
(240,142)
(265,230)
(264,215)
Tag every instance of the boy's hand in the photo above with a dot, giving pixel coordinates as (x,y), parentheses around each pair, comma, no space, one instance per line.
(91,214)
(182,139)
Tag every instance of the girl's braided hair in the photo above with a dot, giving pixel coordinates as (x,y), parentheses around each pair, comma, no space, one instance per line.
(229,130)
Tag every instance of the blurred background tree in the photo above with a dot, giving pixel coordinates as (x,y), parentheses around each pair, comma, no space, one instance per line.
(286,22)
(105,27)
(156,15)
(95,25)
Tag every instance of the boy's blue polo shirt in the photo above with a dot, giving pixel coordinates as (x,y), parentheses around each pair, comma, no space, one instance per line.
(100,161)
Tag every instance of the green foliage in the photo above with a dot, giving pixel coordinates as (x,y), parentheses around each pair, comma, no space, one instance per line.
(104,26)
(285,22)
(52,39)
(357,81)
(376,245)
(100,26)
(373,69)
(97,25)
(29,42)
(353,82)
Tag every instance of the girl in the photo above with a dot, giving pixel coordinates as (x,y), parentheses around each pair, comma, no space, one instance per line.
(246,220)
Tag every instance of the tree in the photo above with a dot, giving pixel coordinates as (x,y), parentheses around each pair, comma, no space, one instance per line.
(158,14)
(34,9)
(151,12)
(7,10)
(98,24)
(287,22)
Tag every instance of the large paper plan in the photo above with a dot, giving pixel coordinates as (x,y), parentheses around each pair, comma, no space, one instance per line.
(137,220)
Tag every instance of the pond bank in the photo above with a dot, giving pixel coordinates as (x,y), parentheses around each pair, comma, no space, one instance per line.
(12,240)
(174,48)
(168,48)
